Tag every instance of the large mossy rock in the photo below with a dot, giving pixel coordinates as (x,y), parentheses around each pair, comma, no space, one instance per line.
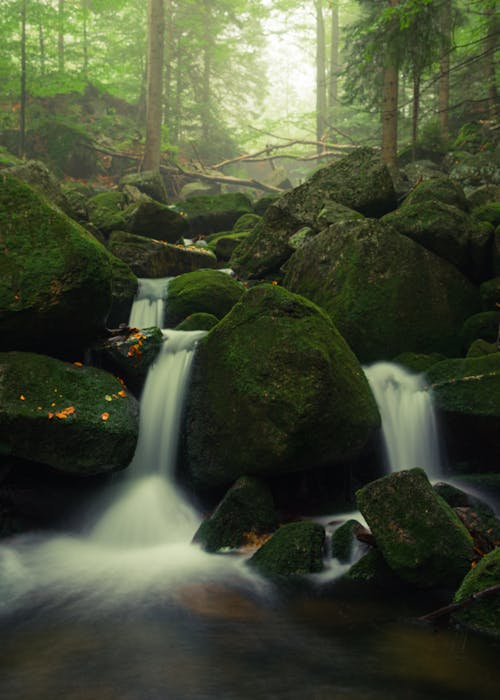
(151,258)
(467,395)
(442,189)
(155,220)
(483,326)
(55,278)
(198,321)
(419,535)
(359,182)
(384,292)
(66,148)
(483,615)
(490,294)
(294,550)
(124,289)
(247,509)
(275,389)
(106,211)
(207,291)
(76,419)
(149,182)
(41,179)
(212,213)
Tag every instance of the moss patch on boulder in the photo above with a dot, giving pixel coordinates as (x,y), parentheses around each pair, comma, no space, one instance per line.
(416,362)
(483,615)
(105,211)
(294,550)
(490,294)
(198,322)
(149,182)
(277,368)
(483,325)
(442,189)
(207,291)
(153,219)
(77,419)
(211,213)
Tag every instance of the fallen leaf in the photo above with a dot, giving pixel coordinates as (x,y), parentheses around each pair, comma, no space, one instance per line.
(108,397)
(78,364)
(22,397)
(122,393)
(104,416)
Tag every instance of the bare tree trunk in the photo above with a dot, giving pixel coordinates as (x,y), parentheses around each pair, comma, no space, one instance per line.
(85,8)
(41,44)
(206,90)
(152,149)
(390,106)
(444,64)
(167,58)
(334,65)
(491,46)
(415,115)
(321,119)
(60,35)
(22,112)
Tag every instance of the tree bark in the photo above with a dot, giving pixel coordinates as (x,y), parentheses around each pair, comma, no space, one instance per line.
(321,116)
(415,116)
(444,65)
(60,35)
(85,11)
(206,91)
(390,106)
(154,105)
(22,111)
(491,46)
(334,67)
(41,44)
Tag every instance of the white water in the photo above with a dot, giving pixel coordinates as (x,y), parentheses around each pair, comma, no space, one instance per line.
(148,308)
(409,427)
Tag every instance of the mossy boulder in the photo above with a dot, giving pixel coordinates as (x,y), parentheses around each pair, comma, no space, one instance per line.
(442,189)
(368,278)
(333,212)
(198,322)
(150,182)
(373,569)
(106,211)
(420,537)
(483,325)
(76,419)
(489,213)
(416,362)
(473,170)
(442,228)
(207,291)
(155,220)
(131,353)
(490,294)
(124,289)
(151,258)
(344,539)
(294,550)
(277,368)
(467,395)
(55,278)
(247,509)
(224,244)
(246,223)
(359,181)
(67,149)
(211,213)
(479,348)
(483,615)
(483,195)
(41,179)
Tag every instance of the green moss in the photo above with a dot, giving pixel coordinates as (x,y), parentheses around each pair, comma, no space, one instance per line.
(488,212)
(343,539)
(224,244)
(150,218)
(7,159)
(483,325)
(247,508)
(490,294)
(207,291)
(205,204)
(275,367)
(149,182)
(294,550)
(124,289)
(371,568)
(34,389)
(442,189)
(55,278)
(105,211)
(418,362)
(246,223)
(483,615)
(198,322)
(419,535)
(479,348)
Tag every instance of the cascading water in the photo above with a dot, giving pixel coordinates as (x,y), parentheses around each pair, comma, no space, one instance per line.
(148,308)
(409,427)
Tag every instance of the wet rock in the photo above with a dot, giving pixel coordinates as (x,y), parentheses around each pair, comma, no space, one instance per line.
(131,353)
(483,615)
(294,550)
(484,325)
(199,321)
(343,540)
(490,294)
(442,189)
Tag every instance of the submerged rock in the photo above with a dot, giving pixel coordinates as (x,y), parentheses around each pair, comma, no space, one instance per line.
(420,537)
(207,291)
(482,615)
(294,550)
(76,419)
(247,509)
(275,388)
(55,278)
(384,292)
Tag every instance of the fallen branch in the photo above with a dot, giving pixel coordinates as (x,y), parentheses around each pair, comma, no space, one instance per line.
(453,607)
(333,149)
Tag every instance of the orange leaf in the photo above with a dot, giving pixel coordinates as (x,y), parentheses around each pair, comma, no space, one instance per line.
(65,412)
(22,397)
(78,364)
(50,415)
(122,393)
(104,416)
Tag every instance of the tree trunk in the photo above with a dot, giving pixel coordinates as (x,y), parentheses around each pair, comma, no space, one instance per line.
(491,46)
(334,66)
(444,77)
(22,111)
(321,117)
(60,35)
(41,44)
(85,10)
(415,115)
(154,105)
(168,51)
(206,91)
(390,106)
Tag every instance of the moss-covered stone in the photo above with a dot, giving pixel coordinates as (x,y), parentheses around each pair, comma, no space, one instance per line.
(483,325)
(480,348)
(483,615)
(483,195)
(224,244)
(207,291)
(467,394)
(150,182)
(442,189)
(474,170)
(131,354)
(343,540)
(41,179)
(150,258)
(294,550)
(359,181)
(124,289)
(211,213)
(489,213)
(7,159)
(247,509)
(368,278)
(262,205)
(77,419)
(416,362)
(246,223)
(198,322)
(66,148)
(490,294)
(332,212)
(441,228)
(372,569)
(457,498)
(282,389)
(55,278)
(420,537)
(149,218)
(105,211)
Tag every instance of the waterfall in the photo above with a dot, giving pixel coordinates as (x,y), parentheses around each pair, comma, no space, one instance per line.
(409,427)
(148,308)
